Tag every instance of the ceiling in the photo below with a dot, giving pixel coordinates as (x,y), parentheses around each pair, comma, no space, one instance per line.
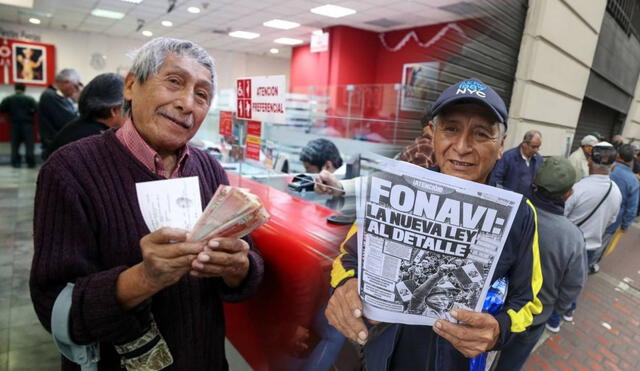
(209,28)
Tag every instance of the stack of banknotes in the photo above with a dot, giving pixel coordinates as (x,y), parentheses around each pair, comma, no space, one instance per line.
(232,212)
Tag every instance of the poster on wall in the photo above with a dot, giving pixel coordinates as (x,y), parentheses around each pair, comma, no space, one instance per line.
(418,81)
(26,62)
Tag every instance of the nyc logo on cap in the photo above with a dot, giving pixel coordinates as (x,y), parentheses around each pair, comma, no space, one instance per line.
(472,87)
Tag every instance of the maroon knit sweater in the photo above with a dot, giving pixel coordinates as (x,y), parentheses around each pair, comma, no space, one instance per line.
(87,229)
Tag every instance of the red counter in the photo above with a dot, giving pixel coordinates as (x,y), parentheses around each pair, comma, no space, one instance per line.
(274,329)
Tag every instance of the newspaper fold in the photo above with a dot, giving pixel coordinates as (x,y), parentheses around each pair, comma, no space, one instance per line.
(427,242)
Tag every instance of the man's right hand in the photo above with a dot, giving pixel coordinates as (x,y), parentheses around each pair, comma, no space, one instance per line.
(344,312)
(167,256)
(327,183)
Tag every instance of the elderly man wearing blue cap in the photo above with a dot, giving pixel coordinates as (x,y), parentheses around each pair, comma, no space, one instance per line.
(469,121)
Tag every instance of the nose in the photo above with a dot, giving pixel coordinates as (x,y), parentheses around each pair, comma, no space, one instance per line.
(185,101)
(462,146)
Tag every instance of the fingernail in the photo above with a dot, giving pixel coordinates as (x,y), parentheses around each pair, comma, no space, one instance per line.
(357,313)
(438,325)
(362,335)
(454,313)
(203,257)
(361,342)
(198,265)
(214,243)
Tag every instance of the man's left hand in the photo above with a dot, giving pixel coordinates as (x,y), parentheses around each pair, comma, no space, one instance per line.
(223,257)
(478,334)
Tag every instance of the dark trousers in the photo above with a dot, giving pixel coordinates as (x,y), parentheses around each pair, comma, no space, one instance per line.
(22,134)
(515,354)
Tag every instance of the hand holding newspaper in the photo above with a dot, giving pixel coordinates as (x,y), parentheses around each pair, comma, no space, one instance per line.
(232,212)
(427,242)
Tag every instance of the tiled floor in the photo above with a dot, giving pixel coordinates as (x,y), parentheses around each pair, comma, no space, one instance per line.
(24,344)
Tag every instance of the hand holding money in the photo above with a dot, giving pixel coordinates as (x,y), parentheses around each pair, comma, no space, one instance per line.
(231,214)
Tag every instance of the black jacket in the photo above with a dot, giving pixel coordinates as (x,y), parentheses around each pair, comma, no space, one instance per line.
(20,108)
(78,128)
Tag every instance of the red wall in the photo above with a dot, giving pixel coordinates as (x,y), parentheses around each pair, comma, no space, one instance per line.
(359,57)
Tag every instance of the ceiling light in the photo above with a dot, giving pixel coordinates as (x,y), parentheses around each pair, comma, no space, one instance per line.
(333,11)
(193,9)
(133,1)
(34,20)
(279,23)
(274,51)
(147,33)
(244,34)
(107,14)
(166,23)
(288,41)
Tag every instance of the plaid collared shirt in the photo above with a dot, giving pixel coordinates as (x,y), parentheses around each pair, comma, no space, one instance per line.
(128,135)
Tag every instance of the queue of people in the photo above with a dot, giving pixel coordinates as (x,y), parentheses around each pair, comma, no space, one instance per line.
(143,299)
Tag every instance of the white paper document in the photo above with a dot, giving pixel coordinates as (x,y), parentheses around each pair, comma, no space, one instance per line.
(172,203)
(427,242)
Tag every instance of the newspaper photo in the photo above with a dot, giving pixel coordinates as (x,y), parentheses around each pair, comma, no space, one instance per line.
(427,242)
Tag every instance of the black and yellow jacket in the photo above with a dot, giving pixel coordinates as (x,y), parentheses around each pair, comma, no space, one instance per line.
(408,347)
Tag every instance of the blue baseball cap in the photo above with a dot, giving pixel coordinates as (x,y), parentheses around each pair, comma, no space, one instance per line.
(471,91)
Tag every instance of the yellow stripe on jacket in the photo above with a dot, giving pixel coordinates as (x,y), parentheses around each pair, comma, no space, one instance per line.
(523,318)
(338,273)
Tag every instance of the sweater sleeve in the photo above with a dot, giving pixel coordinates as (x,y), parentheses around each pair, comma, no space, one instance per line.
(574,278)
(66,250)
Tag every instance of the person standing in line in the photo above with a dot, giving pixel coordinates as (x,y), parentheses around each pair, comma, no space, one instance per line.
(56,108)
(595,202)
(20,107)
(624,178)
(100,107)
(517,167)
(579,157)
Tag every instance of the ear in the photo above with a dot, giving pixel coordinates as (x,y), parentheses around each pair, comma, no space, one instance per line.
(328,165)
(129,81)
(501,144)
(115,111)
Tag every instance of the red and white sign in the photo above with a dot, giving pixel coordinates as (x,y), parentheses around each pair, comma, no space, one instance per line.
(254,132)
(261,98)
(319,42)
(226,123)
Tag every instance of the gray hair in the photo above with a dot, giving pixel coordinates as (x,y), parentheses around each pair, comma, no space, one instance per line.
(68,74)
(502,128)
(150,57)
(529,135)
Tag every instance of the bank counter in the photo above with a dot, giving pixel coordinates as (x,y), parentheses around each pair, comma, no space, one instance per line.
(279,327)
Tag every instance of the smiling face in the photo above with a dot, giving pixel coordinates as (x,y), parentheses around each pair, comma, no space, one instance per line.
(169,107)
(467,142)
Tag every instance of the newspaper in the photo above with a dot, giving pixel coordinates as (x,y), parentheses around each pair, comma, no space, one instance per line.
(427,242)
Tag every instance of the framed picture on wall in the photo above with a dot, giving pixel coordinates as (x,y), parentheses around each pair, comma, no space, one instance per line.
(418,81)
(30,63)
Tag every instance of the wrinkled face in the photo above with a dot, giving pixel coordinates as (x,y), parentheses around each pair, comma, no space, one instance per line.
(530,148)
(467,142)
(168,108)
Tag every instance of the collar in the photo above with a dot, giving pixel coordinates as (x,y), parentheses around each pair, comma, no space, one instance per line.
(626,167)
(547,204)
(128,135)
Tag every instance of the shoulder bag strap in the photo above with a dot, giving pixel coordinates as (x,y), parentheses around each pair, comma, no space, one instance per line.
(598,205)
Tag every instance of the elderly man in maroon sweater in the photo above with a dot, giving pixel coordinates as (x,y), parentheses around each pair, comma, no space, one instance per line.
(149,298)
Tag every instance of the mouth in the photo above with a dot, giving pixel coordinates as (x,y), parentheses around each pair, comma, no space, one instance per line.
(187,124)
(461,163)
